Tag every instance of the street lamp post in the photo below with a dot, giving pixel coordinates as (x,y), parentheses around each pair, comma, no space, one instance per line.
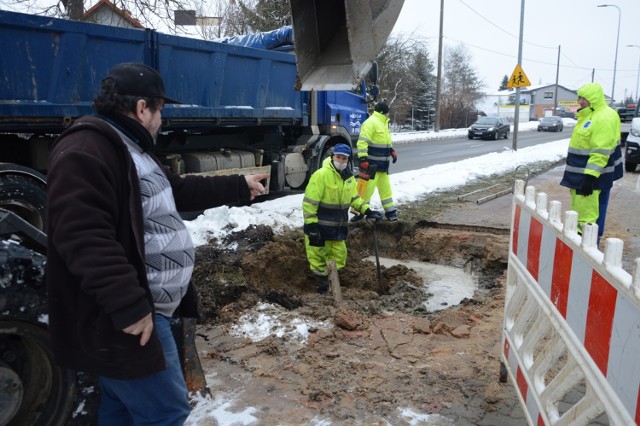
(615,62)
(637,97)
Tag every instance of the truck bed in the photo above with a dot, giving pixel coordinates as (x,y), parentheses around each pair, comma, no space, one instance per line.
(51,69)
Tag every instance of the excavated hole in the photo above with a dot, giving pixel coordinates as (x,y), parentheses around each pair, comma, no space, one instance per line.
(263,267)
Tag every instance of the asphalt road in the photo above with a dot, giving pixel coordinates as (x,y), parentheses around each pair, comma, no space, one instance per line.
(418,155)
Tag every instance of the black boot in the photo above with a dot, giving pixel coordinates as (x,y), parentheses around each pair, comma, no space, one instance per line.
(323,283)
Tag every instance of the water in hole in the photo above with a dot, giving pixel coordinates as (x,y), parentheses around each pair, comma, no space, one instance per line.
(447,284)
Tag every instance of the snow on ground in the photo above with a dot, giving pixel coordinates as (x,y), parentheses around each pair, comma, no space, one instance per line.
(286,212)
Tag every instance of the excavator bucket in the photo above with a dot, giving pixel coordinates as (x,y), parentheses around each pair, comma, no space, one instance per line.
(336,41)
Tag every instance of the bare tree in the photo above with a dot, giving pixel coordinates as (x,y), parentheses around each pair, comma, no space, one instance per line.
(462,89)
(404,67)
(151,13)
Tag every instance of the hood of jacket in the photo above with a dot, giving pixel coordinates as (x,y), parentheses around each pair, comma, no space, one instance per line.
(594,94)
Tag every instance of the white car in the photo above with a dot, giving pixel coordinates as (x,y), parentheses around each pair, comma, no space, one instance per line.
(632,153)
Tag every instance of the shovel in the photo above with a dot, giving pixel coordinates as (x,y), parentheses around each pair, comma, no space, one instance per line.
(375,246)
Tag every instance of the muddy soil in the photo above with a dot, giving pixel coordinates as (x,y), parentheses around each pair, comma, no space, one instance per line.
(379,357)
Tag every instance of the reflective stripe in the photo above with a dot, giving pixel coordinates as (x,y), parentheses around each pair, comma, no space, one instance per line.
(606,170)
(310,201)
(387,201)
(379,145)
(333,206)
(591,151)
(595,168)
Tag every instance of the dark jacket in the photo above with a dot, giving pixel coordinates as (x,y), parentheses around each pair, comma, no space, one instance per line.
(96,279)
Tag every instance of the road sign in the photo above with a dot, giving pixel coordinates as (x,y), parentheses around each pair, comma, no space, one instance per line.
(518,78)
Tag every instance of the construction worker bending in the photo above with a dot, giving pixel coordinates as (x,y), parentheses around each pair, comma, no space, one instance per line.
(329,195)
(375,149)
(594,159)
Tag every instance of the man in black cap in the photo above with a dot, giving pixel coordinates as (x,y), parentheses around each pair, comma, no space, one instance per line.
(376,148)
(119,256)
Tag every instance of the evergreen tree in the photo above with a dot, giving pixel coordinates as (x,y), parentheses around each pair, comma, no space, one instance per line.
(504,82)
(267,15)
(424,93)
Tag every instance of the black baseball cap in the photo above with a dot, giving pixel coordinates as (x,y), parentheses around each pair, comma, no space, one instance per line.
(136,79)
(381,107)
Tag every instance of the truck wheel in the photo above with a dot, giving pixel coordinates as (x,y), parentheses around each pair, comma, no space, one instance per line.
(34,389)
(24,192)
(40,392)
(629,167)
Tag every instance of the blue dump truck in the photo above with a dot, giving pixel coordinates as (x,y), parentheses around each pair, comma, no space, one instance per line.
(239,110)
(244,110)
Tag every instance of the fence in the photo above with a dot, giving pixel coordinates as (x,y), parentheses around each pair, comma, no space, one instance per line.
(571,335)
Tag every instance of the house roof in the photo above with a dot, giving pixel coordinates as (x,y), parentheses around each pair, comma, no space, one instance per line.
(544,86)
(530,89)
(125,15)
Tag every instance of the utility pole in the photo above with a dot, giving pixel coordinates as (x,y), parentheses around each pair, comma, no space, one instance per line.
(516,117)
(436,124)
(555,96)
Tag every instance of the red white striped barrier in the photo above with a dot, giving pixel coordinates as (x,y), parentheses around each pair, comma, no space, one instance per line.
(571,334)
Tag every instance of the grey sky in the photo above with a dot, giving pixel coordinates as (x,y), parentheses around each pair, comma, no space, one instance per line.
(490,28)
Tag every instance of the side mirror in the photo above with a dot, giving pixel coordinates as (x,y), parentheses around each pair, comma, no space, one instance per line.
(373,74)
(374,91)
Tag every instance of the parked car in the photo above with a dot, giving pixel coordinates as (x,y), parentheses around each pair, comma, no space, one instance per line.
(632,153)
(568,114)
(550,124)
(490,128)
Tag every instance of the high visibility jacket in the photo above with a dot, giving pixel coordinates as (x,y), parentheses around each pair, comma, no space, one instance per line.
(594,148)
(327,200)
(374,141)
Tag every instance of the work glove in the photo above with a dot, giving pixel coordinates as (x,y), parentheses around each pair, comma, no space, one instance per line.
(313,232)
(394,156)
(586,187)
(373,215)
(364,164)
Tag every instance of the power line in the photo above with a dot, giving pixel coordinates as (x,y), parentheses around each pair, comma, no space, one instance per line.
(503,30)
(575,66)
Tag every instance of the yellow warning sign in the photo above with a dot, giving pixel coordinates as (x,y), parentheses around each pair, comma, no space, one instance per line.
(518,78)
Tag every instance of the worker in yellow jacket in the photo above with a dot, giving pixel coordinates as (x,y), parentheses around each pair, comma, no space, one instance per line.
(376,148)
(594,159)
(327,198)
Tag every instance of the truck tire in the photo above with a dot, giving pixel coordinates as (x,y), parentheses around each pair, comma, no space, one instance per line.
(24,192)
(39,391)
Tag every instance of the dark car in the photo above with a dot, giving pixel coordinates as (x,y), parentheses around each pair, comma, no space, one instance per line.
(550,124)
(490,128)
